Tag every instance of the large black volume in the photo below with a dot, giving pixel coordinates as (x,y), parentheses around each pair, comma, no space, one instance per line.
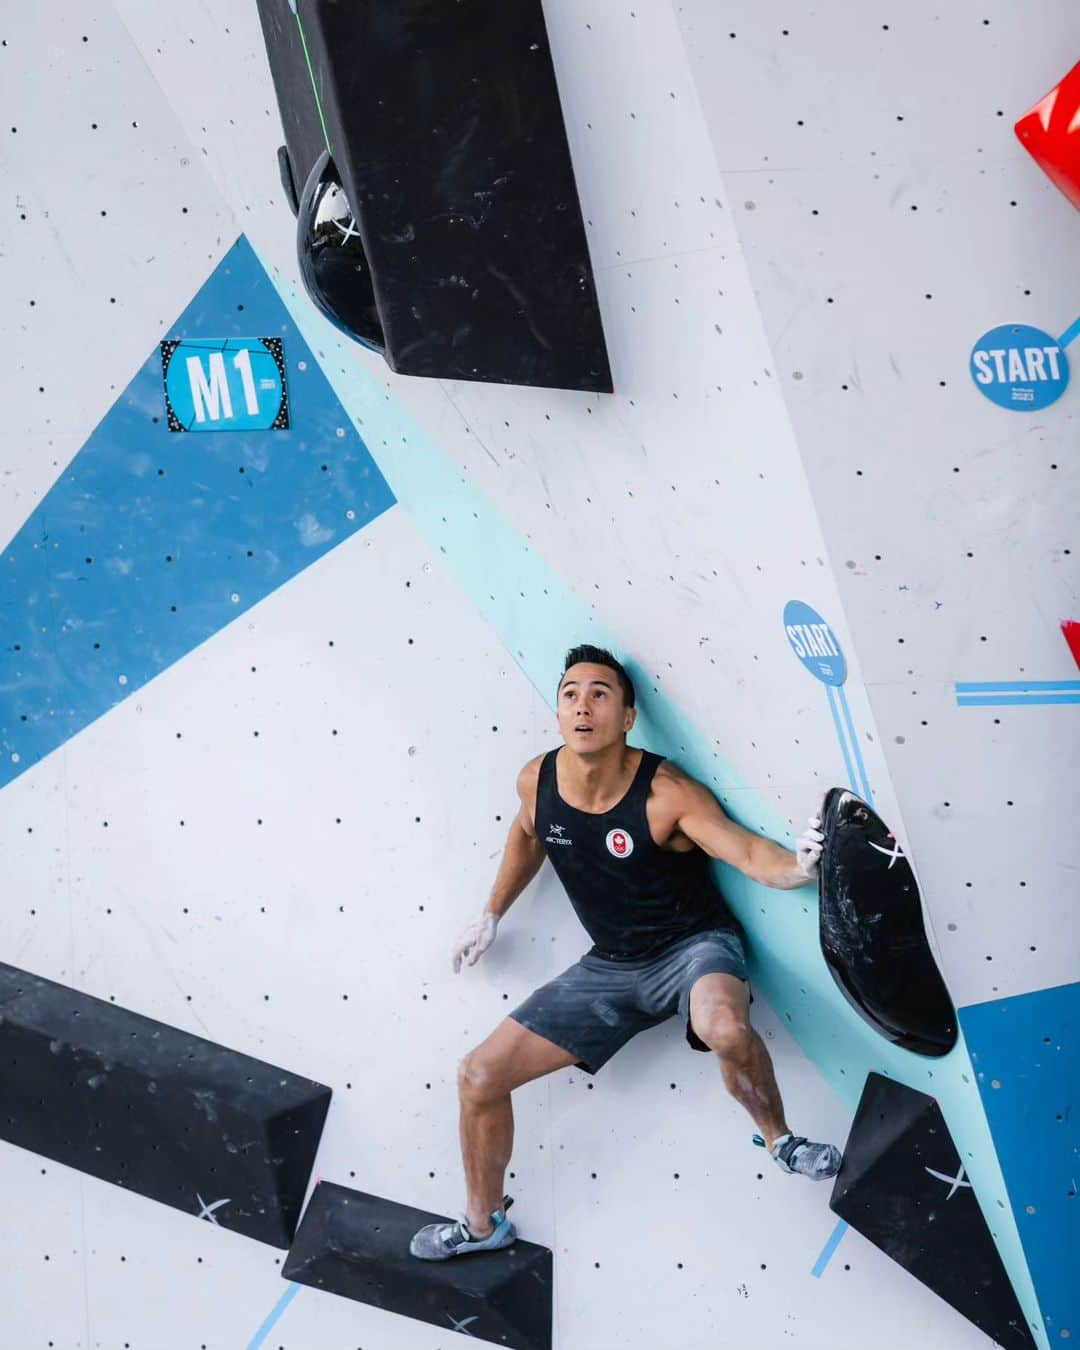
(208,1130)
(442,130)
(902,1186)
(872,932)
(357,1245)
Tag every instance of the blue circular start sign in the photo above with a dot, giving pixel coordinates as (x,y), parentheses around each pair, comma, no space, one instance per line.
(1019,367)
(813,642)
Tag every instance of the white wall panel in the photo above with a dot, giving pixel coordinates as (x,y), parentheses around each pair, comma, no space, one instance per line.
(729,473)
(887,222)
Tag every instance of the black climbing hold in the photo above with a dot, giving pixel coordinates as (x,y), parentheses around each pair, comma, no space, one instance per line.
(299,111)
(357,1245)
(333,263)
(872,932)
(902,1186)
(210,1131)
(288,182)
(444,123)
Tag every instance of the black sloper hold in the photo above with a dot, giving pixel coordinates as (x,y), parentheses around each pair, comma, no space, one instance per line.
(357,1245)
(872,932)
(333,264)
(222,1136)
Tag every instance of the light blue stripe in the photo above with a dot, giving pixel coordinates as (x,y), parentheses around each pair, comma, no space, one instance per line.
(1013,700)
(830,1247)
(1002,685)
(268,1326)
(841,1228)
(867,794)
(1070,334)
(842,739)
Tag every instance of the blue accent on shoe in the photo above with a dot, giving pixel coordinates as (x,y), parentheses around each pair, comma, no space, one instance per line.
(441,1241)
(500,1236)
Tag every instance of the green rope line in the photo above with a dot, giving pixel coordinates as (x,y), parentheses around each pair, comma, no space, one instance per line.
(311,75)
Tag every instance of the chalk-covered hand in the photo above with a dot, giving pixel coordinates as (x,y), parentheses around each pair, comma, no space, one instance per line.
(808,849)
(475,941)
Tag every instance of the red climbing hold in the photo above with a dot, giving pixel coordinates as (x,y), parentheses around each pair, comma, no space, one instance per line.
(1050,133)
(1071,629)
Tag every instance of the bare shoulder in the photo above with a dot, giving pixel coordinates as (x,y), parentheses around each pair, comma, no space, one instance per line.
(669,777)
(674,785)
(528,777)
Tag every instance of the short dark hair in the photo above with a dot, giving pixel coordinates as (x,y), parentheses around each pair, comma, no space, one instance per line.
(599,656)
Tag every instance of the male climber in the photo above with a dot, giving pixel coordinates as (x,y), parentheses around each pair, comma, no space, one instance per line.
(630,836)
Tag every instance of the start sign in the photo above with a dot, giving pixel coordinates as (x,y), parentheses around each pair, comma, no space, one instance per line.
(1020,367)
(814,643)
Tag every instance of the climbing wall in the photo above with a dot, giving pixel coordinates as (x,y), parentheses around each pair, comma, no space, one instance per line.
(265,692)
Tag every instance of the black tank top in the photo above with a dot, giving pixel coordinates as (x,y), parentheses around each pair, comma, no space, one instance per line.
(633,897)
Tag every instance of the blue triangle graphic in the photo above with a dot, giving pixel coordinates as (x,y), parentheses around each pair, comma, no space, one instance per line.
(152,540)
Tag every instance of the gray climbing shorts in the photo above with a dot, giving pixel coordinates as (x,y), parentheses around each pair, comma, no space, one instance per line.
(595,1006)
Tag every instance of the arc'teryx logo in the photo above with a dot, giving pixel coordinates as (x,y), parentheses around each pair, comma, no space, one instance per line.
(554,835)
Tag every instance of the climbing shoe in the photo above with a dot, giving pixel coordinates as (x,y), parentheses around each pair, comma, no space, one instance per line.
(793,1153)
(440,1241)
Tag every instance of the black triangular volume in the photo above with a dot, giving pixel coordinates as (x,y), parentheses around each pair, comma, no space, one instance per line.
(357,1245)
(872,932)
(176,1118)
(903,1187)
(462,249)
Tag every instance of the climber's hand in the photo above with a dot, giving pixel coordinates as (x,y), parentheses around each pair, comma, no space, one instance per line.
(808,848)
(475,941)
